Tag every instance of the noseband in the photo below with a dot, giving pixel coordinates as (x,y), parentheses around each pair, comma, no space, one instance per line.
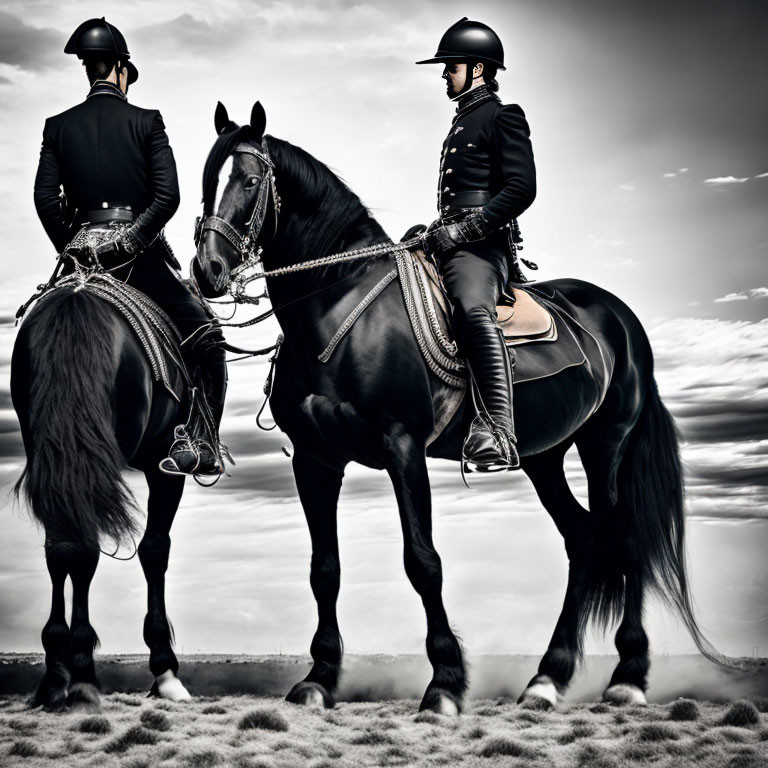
(245,242)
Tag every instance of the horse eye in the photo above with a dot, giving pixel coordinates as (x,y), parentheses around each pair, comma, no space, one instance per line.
(252,182)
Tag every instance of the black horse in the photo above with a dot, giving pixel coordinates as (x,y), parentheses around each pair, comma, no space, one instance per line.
(84,393)
(373,403)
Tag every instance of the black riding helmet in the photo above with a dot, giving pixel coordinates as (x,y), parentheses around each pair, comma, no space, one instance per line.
(98,36)
(469,41)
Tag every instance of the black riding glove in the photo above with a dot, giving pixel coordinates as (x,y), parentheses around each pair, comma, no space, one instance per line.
(446,238)
(119,251)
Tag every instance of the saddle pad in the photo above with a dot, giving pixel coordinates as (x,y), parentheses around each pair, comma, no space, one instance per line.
(154,330)
(545,341)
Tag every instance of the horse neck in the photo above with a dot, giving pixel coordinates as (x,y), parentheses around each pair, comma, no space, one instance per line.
(316,289)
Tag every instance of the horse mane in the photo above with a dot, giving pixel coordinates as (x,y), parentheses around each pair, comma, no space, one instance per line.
(307,184)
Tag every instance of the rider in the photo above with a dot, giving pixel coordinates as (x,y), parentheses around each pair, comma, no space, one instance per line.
(487,179)
(115,164)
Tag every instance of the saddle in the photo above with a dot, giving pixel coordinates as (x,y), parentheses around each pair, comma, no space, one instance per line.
(159,339)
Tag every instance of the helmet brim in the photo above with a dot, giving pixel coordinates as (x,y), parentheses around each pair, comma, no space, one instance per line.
(133,73)
(447,59)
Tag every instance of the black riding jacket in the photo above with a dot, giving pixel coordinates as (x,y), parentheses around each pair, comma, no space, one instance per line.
(487,150)
(105,150)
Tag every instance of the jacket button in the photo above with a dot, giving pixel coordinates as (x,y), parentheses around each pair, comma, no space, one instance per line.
(470,145)
(446,189)
(449,170)
(453,149)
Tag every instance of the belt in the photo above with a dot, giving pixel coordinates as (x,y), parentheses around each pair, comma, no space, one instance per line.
(104,215)
(475,198)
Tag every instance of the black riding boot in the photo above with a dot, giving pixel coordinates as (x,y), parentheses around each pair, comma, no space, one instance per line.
(201,453)
(491,445)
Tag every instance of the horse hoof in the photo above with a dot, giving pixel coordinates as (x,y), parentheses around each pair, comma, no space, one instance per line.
(84,697)
(624,693)
(541,695)
(440,702)
(50,699)
(168,686)
(311,695)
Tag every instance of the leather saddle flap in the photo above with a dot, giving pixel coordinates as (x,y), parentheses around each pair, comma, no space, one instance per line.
(545,340)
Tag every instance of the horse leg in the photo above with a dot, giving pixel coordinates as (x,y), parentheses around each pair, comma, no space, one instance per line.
(319,489)
(82,560)
(629,680)
(407,469)
(52,691)
(622,574)
(573,521)
(164,497)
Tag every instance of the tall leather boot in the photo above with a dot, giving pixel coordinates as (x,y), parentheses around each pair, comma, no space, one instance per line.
(201,453)
(491,445)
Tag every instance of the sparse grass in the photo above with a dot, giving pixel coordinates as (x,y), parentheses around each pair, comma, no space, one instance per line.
(204,759)
(263,719)
(656,732)
(592,756)
(427,717)
(23,748)
(213,709)
(155,720)
(371,738)
(94,724)
(684,709)
(133,736)
(502,745)
(741,714)
(205,733)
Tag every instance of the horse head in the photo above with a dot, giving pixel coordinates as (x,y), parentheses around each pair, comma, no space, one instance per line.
(233,233)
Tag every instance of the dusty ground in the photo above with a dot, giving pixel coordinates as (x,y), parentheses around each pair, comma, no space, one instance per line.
(720,722)
(250,732)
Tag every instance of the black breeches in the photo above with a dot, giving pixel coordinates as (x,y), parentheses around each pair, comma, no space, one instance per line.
(200,332)
(152,276)
(473,279)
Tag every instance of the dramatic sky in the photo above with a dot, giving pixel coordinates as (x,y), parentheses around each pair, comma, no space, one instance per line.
(648,123)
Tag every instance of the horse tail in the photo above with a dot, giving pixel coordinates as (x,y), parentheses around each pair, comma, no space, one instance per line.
(74,473)
(651,504)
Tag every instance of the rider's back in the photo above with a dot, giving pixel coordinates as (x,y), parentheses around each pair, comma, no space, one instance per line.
(105,150)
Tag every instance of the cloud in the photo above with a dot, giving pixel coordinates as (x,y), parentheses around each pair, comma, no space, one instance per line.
(762,176)
(626,187)
(751,293)
(719,180)
(30,48)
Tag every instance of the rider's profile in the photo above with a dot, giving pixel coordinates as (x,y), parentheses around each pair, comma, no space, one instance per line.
(106,164)
(487,179)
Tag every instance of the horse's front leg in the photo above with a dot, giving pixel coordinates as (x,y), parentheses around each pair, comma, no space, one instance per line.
(164,497)
(319,489)
(407,468)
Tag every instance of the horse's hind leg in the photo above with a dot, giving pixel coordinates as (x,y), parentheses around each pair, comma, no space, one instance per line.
(82,560)
(164,497)
(573,521)
(53,688)
(621,574)
(629,679)
(319,488)
(407,469)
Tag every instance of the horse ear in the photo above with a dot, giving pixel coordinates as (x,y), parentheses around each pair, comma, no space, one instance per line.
(220,118)
(258,121)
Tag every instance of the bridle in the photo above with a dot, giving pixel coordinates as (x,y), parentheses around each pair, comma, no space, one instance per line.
(245,243)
